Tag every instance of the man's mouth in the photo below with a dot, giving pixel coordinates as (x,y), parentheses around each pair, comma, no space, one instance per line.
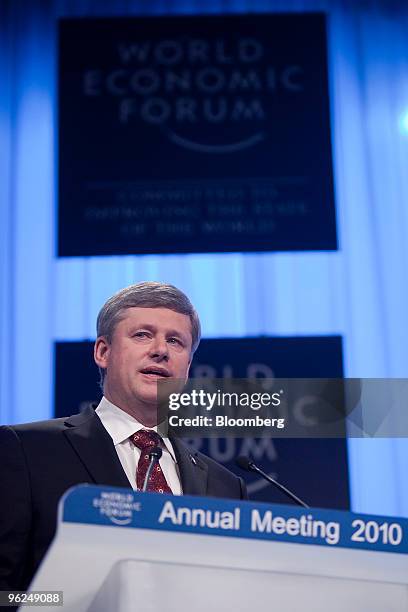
(156,371)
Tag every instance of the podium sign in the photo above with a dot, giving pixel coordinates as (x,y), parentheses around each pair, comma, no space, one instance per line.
(114,546)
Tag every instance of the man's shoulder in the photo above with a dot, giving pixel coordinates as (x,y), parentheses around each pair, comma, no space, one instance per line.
(48,424)
(55,425)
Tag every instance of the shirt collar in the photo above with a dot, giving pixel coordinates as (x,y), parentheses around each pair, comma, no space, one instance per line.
(120,425)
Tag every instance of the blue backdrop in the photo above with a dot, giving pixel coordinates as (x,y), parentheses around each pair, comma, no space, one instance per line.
(360,292)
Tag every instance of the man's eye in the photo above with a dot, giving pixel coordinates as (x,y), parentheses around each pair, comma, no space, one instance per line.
(175,341)
(140,334)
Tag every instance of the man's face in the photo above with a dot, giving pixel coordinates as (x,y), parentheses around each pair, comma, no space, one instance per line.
(148,344)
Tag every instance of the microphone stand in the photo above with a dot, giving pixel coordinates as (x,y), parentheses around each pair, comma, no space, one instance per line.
(245,464)
(154,457)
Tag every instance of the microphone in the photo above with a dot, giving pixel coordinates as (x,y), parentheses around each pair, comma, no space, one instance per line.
(250,466)
(154,457)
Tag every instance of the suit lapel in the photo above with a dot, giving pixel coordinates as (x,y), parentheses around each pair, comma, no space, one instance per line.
(95,448)
(193,472)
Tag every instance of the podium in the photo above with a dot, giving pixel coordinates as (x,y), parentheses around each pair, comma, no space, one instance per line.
(121,550)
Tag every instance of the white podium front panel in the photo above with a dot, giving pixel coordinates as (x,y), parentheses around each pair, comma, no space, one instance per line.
(174,587)
(116,547)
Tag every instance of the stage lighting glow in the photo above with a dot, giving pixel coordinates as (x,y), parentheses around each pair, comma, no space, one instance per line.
(404,122)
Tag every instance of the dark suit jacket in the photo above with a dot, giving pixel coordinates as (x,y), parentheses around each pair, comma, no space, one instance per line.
(40,461)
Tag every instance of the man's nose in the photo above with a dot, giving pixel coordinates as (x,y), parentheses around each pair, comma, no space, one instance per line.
(159,347)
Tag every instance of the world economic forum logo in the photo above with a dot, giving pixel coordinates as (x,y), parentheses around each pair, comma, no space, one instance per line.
(117,507)
(208,94)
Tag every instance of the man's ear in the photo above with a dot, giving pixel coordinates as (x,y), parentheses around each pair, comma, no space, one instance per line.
(101,352)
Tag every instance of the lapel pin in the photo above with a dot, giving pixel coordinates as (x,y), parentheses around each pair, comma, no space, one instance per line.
(193,460)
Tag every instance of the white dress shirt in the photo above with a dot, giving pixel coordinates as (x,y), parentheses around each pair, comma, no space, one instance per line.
(120,426)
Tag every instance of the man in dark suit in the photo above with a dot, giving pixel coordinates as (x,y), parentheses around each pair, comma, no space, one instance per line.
(146,332)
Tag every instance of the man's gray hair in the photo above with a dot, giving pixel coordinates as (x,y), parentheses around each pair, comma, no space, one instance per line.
(148,294)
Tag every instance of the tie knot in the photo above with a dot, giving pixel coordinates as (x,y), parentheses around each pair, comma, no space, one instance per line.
(145,439)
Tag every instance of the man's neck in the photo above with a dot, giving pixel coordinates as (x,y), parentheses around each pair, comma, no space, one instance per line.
(146,414)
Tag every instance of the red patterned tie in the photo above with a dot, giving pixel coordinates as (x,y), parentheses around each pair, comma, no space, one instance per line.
(146,440)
